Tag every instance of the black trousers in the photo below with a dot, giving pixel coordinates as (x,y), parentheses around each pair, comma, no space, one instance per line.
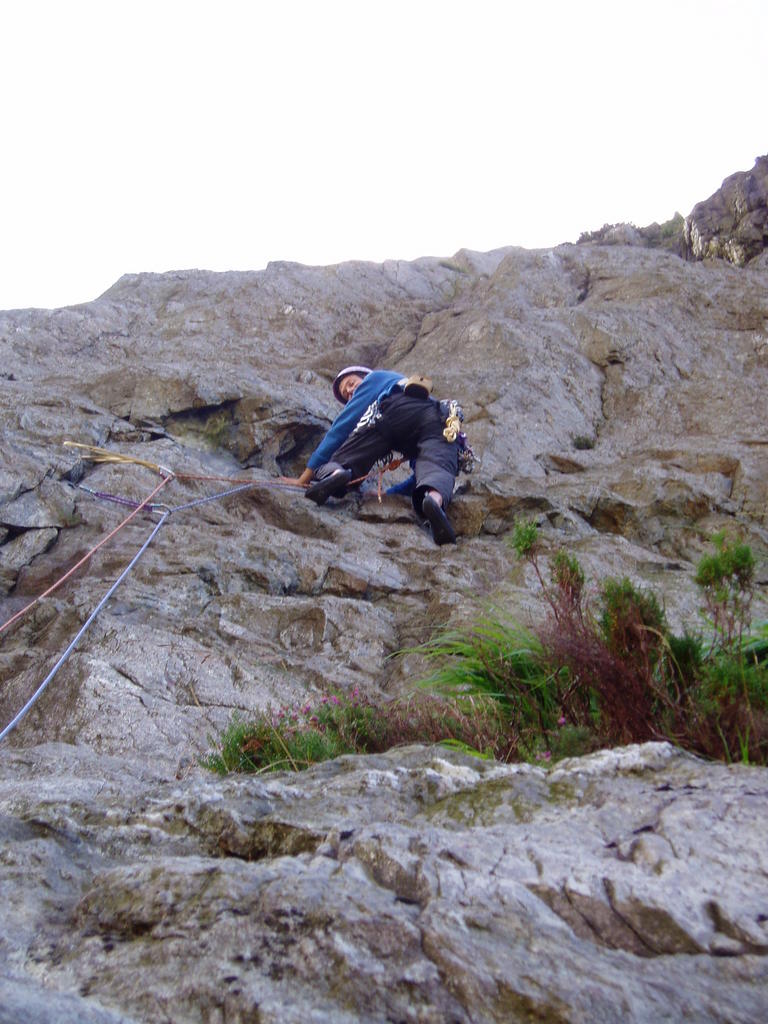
(409,425)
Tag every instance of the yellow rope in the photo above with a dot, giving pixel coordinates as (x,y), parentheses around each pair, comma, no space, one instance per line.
(452,423)
(102,455)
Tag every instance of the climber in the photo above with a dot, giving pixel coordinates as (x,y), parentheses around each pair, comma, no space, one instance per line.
(386,412)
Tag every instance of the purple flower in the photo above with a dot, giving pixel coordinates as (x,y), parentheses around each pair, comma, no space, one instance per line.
(335,700)
(561,720)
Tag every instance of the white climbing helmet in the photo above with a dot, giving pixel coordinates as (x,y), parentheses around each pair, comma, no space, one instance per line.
(362,370)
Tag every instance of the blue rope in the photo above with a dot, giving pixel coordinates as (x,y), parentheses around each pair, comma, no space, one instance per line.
(215,497)
(165,512)
(11,725)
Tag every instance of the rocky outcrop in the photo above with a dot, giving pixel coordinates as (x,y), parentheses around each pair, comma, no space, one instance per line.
(668,236)
(733,223)
(417,886)
(614,393)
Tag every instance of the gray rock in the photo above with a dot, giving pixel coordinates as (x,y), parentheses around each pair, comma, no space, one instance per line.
(19,552)
(417,885)
(733,223)
(25,1001)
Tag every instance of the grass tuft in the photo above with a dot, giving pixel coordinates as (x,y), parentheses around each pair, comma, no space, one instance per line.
(294,737)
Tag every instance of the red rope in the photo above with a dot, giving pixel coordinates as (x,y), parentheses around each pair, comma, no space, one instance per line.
(390,466)
(176,476)
(85,558)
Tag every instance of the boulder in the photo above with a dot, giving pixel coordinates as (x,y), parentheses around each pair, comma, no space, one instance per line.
(733,223)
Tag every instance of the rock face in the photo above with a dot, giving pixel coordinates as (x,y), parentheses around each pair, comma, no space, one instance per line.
(617,394)
(733,223)
(417,886)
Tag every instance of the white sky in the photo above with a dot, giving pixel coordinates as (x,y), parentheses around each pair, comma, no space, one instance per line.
(154,135)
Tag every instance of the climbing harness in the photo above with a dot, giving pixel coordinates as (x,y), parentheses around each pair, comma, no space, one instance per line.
(467,457)
(452,415)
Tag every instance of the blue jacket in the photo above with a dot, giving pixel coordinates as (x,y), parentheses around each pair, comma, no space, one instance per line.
(374,386)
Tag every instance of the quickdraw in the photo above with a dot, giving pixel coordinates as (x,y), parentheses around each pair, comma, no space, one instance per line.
(454,417)
(467,457)
(453,420)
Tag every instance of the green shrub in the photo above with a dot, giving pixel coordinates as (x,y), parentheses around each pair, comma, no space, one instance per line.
(727,582)
(568,577)
(631,620)
(500,660)
(614,672)
(572,741)
(755,647)
(732,699)
(686,655)
(726,679)
(525,537)
(583,443)
(295,737)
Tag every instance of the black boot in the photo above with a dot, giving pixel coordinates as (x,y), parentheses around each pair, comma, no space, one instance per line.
(336,483)
(442,531)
